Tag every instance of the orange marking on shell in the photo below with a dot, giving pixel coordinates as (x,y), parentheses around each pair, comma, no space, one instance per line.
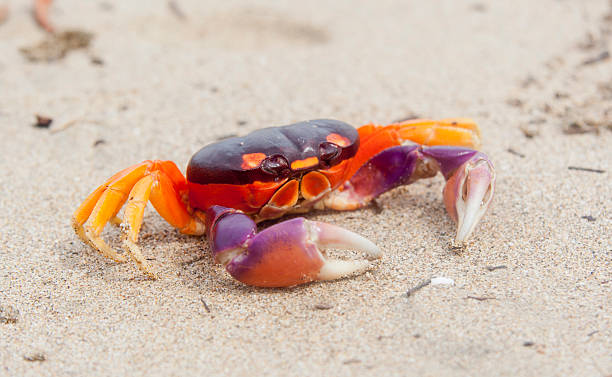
(286,196)
(305,163)
(337,174)
(338,139)
(252,160)
(313,184)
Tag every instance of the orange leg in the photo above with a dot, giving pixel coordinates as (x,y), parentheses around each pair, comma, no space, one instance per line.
(41,11)
(458,132)
(384,161)
(158,181)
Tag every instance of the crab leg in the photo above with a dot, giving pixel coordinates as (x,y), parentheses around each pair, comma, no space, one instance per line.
(161,182)
(470,184)
(459,132)
(286,254)
(469,174)
(41,10)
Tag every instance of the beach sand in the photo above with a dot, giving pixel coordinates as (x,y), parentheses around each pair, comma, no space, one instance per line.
(160,81)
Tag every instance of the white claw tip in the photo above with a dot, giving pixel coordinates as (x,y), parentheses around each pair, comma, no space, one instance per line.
(331,236)
(326,236)
(474,197)
(337,269)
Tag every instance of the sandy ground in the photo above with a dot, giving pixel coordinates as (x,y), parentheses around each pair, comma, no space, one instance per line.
(157,83)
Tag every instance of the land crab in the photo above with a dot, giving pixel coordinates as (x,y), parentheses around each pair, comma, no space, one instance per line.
(235,183)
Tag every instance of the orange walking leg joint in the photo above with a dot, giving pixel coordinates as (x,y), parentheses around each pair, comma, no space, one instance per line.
(160,182)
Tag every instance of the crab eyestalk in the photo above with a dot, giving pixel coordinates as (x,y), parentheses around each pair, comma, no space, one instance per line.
(468,193)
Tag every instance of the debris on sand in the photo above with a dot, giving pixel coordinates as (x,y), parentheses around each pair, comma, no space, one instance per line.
(604,55)
(57,46)
(39,356)
(590,170)
(530,131)
(418,287)
(43,121)
(578,126)
(176,10)
(512,151)
(8,314)
(99,142)
(323,306)
(480,298)
(442,281)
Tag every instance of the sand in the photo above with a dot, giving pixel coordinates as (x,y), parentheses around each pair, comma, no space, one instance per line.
(161,83)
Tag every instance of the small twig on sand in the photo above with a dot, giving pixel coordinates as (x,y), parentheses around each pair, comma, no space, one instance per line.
(493,268)
(71,123)
(64,126)
(418,287)
(41,14)
(205,304)
(484,298)
(604,55)
(586,169)
(176,10)
(512,151)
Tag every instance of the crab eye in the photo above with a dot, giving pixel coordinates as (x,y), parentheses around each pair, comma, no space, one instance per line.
(328,151)
(276,165)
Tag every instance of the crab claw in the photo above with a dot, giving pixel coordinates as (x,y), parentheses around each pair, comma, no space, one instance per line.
(468,193)
(286,254)
(291,253)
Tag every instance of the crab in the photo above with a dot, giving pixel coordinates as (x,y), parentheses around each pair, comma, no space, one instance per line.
(233,184)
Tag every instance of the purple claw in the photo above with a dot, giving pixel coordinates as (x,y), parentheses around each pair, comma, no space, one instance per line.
(469,174)
(285,254)
(468,193)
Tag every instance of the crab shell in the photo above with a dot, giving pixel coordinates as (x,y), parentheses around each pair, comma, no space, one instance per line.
(273,170)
